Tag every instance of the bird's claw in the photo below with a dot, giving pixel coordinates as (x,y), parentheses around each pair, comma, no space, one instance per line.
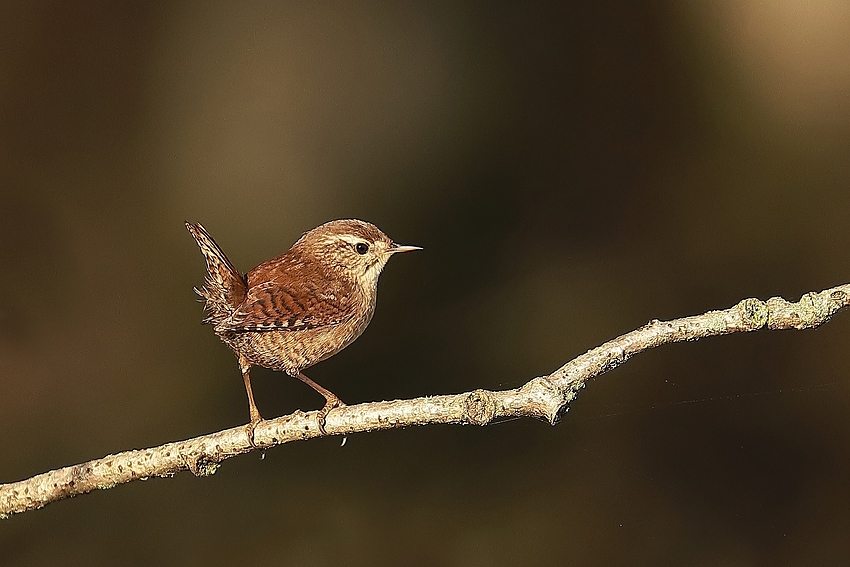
(250,431)
(331,403)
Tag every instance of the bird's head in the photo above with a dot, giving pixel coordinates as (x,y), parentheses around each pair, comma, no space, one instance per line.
(354,248)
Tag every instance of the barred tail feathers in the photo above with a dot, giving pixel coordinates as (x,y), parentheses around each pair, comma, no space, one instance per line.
(224,288)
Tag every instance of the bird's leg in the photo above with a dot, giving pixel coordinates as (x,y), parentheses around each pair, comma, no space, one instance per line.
(331,401)
(256,418)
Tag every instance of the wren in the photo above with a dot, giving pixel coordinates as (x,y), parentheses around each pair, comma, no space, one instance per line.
(300,308)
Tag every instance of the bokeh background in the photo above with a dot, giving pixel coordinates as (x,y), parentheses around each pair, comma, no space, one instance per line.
(572,170)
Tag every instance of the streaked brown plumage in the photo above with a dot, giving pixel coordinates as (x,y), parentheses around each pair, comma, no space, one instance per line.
(299,308)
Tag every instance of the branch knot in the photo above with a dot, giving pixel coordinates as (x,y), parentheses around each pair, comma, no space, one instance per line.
(202,465)
(480,407)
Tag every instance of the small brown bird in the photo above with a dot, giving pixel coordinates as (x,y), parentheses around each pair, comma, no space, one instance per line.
(299,308)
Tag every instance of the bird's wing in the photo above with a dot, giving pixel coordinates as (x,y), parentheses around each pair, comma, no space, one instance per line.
(293,305)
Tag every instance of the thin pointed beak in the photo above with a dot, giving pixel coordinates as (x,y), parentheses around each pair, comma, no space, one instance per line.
(394,248)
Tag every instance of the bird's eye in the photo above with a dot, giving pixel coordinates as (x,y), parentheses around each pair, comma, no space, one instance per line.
(362,248)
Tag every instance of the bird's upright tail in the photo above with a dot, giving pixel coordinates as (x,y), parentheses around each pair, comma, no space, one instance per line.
(224,287)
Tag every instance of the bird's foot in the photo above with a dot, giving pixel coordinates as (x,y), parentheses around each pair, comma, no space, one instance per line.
(331,403)
(255,421)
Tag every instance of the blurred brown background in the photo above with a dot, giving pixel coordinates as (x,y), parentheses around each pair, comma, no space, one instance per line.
(572,170)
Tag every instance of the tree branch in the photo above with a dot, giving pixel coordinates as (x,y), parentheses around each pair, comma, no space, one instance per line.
(546,397)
